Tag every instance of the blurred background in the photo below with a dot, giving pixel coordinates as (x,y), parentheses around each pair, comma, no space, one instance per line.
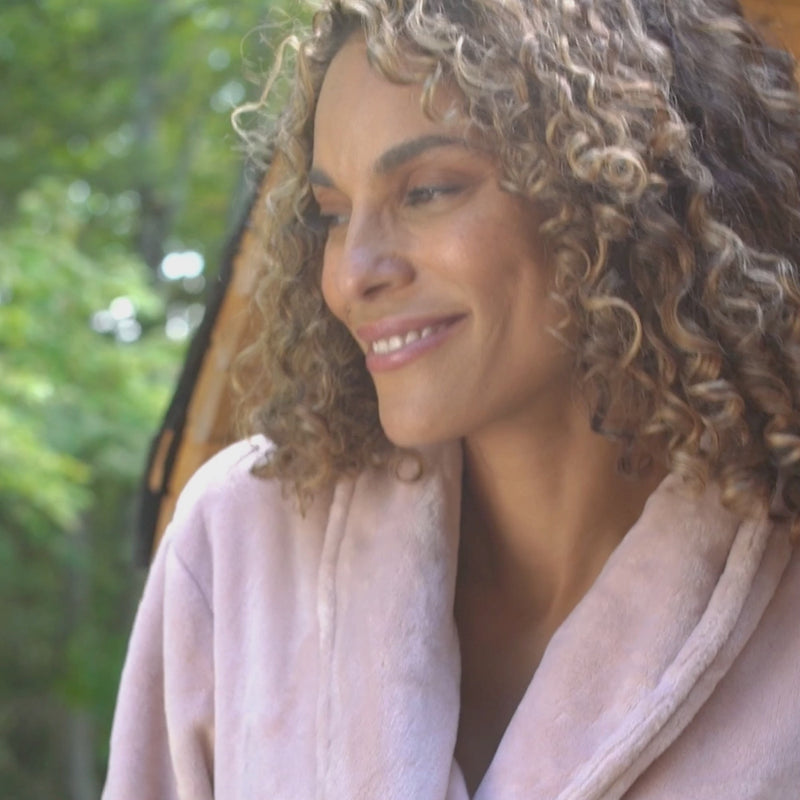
(121,181)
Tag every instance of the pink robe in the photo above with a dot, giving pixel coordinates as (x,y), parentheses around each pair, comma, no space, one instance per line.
(282,657)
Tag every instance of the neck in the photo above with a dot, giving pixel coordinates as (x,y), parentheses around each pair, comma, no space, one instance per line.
(544,506)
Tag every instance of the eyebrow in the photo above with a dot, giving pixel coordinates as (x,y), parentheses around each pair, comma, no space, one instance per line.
(396,156)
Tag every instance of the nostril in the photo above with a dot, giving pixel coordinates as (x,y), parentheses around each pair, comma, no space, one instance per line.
(376,288)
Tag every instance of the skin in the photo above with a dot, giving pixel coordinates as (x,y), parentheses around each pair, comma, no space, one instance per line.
(420,234)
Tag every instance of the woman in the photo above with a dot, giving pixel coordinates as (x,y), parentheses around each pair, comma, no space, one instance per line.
(521,523)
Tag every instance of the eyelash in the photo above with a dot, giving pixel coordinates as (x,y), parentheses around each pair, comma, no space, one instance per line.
(326,221)
(321,223)
(425,194)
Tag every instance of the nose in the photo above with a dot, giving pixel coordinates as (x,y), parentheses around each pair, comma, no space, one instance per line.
(367,262)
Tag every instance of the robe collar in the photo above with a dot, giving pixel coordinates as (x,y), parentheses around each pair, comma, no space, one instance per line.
(620,679)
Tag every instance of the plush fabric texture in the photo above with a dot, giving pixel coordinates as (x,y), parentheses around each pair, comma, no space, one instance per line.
(283,656)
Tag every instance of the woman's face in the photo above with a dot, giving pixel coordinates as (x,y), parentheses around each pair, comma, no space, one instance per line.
(437,272)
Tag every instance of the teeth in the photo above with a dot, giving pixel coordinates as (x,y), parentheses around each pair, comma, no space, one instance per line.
(394,343)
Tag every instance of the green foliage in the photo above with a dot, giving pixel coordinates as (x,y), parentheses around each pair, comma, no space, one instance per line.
(132,100)
(115,148)
(76,410)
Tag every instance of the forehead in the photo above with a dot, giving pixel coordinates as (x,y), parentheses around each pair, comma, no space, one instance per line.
(360,114)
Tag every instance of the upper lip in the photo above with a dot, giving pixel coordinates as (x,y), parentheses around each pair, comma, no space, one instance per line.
(370,332)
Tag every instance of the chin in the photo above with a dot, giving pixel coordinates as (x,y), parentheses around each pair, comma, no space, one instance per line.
(413,433)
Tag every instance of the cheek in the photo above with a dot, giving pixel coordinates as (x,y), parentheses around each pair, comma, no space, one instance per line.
(493,268)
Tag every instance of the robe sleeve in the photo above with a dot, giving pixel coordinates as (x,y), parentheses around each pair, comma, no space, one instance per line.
(162,737)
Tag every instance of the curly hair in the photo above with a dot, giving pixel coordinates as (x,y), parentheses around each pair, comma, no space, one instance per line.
(663,141)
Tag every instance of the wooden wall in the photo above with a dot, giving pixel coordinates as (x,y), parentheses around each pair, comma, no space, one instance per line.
(781,17)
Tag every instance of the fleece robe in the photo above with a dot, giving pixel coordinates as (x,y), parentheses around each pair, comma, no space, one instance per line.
(281,656)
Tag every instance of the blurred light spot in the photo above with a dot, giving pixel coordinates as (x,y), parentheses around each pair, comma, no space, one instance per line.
(128,330)
(122,308)
(122,209)
(177,328)
(119,142)
(127,201)
(183,320)
(98,204)
(205,17)
(228,96)
(77,144)
(183,264)
(78,192)
(41,390)
(194,285)
(103,321)
(194,314)
(219,58)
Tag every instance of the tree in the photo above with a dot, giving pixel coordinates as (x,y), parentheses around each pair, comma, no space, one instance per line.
(77,406)
(131,102)
(116,149)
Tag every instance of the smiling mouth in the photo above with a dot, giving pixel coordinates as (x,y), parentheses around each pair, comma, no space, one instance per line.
(391,344)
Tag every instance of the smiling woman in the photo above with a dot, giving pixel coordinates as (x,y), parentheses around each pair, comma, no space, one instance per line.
(437,272)
(518,518)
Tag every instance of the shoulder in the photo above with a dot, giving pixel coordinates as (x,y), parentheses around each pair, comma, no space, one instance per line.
(237,535)
(225,477)
(230,522)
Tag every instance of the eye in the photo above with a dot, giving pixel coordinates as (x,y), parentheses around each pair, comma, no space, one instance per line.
(322,222)
(328,221)
(419,195)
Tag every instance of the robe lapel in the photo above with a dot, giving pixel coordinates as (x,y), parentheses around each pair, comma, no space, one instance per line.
(641,653)
(389,693)
(619,681)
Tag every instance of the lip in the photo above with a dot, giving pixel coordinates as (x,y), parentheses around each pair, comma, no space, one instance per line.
(369,333)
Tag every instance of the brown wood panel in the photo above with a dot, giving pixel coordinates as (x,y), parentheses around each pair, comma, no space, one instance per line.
(210,423)
(780,17)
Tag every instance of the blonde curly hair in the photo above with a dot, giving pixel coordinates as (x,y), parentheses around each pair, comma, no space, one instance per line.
(663,141)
